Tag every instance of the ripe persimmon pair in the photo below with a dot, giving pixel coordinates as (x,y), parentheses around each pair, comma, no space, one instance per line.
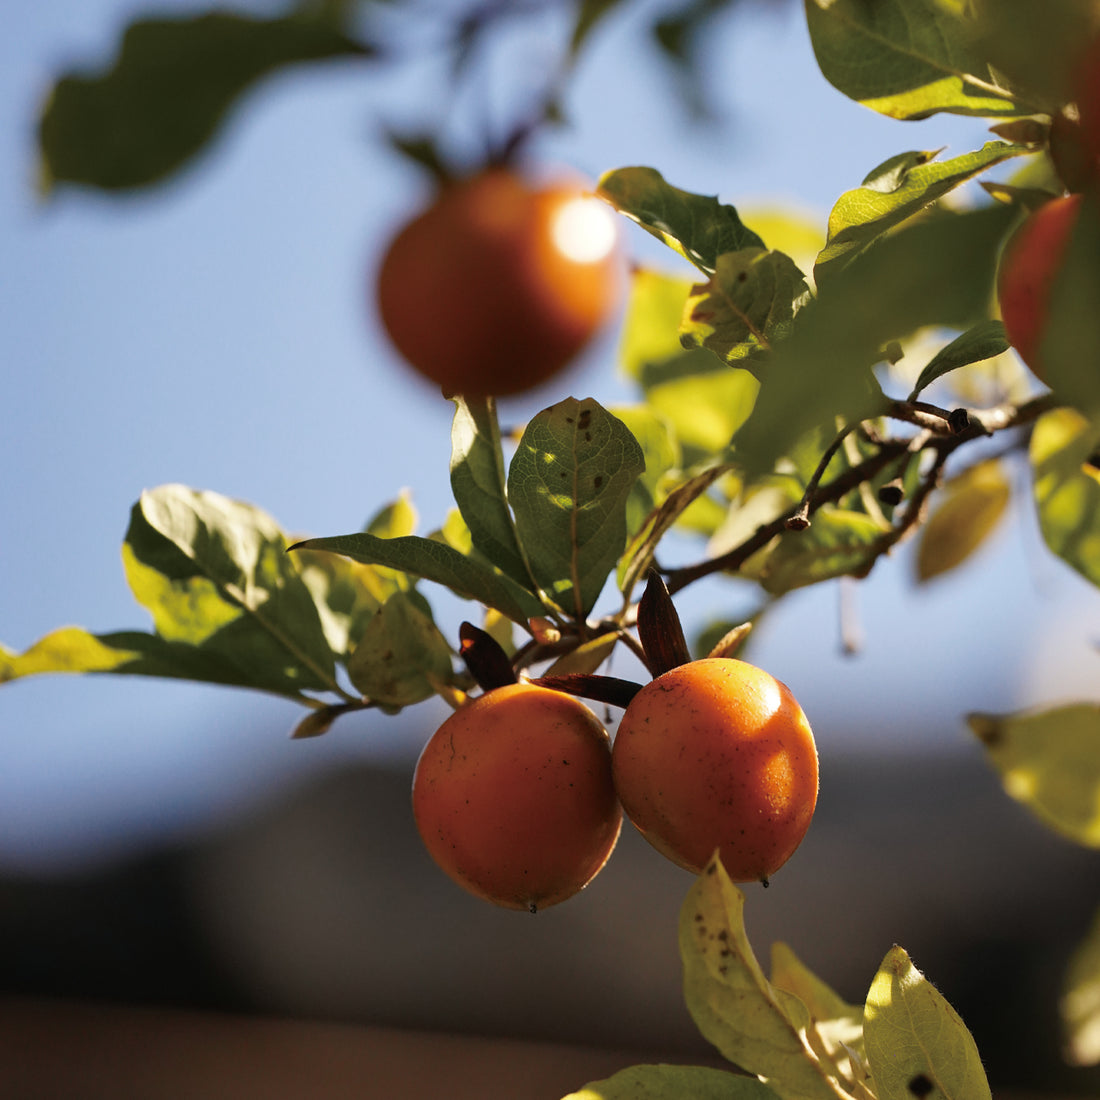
(519,795)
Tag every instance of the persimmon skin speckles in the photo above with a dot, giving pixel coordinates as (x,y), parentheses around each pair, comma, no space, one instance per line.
(478,295)
(513,796)
(717,754)
(1028,269)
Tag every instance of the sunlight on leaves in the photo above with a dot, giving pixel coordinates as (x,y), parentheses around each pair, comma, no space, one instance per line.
(966,514)
(861,216)
(915,1040)
(754,1024)
(663,1082)
(746,305)
(1050,761)
(1067,488)
(905,58)
(478,483)
(568,486)
(468,577)
(401,655)
(698,227)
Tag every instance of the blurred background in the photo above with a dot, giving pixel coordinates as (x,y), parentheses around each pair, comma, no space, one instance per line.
(167,844)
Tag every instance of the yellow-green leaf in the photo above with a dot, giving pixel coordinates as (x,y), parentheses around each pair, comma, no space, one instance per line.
(967,513)
(1067,488)
(1080,1003)
(1050,761)
(837,1029)
(754,1024)
(661,1082)
(401,656)
(917,1046)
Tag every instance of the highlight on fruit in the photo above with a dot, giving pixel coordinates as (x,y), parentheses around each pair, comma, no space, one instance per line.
(500,283)
(716,754)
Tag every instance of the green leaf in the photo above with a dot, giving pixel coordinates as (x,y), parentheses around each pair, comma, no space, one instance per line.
(662,1082)
(1050,761)
(467,577)
(746,305)
(839,542)
(704,408)
(650,336)
(568,485)
(861,216)
(346,594)
(1080,1002)
(168,92)
(754,1024)
(478,483)
(936,271)
(660,453)
(984,340)
(402,655)
(1067,488)
(698,227)
(966,514)
(131,653)
(214,574)
(915,1040)
(905,58)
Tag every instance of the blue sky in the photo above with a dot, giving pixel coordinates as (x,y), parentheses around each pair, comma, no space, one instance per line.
(218,332)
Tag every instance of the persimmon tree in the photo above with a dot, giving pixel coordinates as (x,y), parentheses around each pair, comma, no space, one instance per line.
(797,424)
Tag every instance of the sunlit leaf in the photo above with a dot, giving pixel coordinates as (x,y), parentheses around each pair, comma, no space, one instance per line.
(698,227)
(1067,488)
(168,92)
(401,655)
(705,409)
(966,514)
(132,653)
(837,1025)
(478,482)
(754,1024)
(568,485)
(861,216)
(650,331)
(905,58)
(936,271)
(984,340)
(1080,1003)
(214,574)
(747,304)
(1050,761)
(661,453)
(346,593)
(838,542)
(916,1043)
(664,1082)
(467,577)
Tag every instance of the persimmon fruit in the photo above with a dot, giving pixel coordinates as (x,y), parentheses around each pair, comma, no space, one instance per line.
(513,796)
(1029,266)
(499,283)
(716,754)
